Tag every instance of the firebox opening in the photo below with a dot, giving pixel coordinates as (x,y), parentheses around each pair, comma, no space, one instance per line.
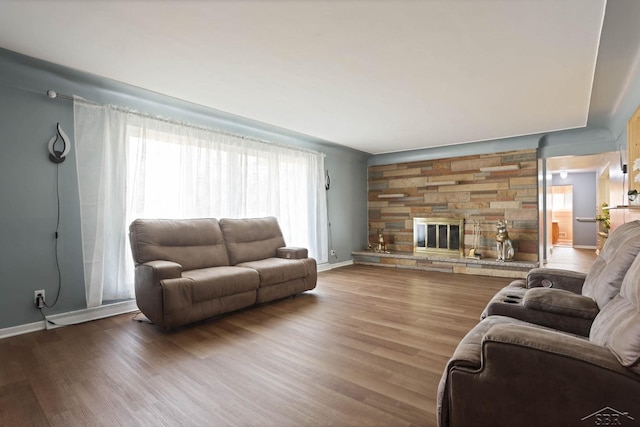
(439,236)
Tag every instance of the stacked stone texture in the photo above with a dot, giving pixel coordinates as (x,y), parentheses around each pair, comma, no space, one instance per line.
(424,190)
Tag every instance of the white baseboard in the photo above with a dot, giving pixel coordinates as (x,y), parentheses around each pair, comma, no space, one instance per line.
(71,318)
(21,329)
(326,266)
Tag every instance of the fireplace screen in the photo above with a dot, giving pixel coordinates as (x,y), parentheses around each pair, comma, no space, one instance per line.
(439,236)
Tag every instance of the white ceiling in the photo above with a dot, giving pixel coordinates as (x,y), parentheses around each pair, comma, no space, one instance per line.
(378,76)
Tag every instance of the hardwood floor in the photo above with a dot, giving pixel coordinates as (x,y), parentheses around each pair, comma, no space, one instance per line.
(367,347)
(568,258)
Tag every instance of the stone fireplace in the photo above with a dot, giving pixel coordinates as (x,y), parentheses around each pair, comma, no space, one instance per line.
(439,236)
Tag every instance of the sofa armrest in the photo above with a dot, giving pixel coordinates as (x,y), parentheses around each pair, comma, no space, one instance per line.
(161,270)
(290,252)
(556,278)
(560,301)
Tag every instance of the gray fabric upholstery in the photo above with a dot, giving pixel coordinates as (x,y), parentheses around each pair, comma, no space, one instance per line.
(506,372)
(217,282)
(292,253)
(560,301)
(183,270)
(605,276)
(510,302)
(547,301)
(556,279)
(283,277)
(251,239)
(192,243)
(617,326)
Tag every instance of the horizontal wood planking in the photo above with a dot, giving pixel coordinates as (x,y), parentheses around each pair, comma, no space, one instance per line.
(366,347)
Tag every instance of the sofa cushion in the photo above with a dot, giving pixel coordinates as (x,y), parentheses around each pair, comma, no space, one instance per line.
(251,239)
(618,324)
(560,301)
(217,282)
(278,270)
(192,243)
(605,276)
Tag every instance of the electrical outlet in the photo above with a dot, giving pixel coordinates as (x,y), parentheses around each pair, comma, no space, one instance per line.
(37,294)
(334,254)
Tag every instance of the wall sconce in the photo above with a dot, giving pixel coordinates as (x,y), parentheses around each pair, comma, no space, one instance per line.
(563,174)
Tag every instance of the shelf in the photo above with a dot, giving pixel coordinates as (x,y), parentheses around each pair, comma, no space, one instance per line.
(500,168)
(630,207)
(391,196)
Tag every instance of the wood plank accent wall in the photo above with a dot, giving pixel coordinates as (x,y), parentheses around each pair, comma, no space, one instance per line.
(483,188)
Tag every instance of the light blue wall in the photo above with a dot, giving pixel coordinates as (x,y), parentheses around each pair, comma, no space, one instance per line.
(27,179)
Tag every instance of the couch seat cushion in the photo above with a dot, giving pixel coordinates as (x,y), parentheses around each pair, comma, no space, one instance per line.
(273,271)
(217,282)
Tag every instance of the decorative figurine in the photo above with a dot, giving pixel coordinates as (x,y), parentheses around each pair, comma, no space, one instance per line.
(504,246)
(381,244)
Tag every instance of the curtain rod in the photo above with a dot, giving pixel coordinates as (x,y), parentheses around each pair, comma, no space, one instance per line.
(53,95)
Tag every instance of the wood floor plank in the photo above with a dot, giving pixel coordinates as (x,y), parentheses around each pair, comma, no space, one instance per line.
(367,347)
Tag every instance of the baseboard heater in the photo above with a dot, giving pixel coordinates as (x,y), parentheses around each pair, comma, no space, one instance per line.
(88,314)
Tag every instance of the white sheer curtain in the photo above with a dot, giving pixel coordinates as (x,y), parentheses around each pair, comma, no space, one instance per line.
(132,165)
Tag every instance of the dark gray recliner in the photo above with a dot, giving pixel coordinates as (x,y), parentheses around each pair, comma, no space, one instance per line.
(506,372)
(567,300)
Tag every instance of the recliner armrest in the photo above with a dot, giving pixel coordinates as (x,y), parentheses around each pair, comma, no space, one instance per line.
(560,301)
(556,278)
(290,252)
(555,343)
(531,377)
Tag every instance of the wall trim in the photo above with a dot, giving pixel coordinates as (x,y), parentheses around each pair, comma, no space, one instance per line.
(71,318)
(326,266)
(21,329)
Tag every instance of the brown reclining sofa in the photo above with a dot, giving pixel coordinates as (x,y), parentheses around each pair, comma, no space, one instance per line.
(193,269)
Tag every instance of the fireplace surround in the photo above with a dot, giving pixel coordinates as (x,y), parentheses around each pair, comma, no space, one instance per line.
(439,236)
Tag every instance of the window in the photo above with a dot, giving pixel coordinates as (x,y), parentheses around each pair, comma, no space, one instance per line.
(137,166)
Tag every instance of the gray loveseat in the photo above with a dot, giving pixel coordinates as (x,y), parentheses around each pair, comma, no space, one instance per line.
(193,269)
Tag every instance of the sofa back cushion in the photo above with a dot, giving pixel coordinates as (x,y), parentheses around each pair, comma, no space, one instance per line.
(251,239)
(605,276)
(192,243)
(617,326)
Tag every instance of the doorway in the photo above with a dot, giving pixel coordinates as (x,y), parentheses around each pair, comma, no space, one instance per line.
(578,197)
(562,215)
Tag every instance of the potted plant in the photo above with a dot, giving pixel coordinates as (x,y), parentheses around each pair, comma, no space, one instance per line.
(604,218)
